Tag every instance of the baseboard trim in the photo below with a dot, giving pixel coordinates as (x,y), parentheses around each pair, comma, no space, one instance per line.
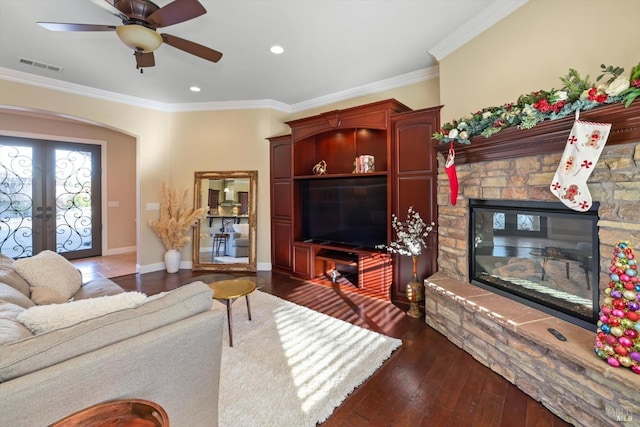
(264,266)
(120,251)
(186,265)
(150,268)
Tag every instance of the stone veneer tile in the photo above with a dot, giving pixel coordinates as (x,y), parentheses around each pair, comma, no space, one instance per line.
(504,311)
(507,312)
(578,348)
(454,287)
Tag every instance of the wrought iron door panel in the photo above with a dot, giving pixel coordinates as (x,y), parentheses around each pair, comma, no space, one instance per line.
(49,198)
(16,201)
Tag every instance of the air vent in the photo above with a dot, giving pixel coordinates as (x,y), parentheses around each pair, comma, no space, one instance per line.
(41,65)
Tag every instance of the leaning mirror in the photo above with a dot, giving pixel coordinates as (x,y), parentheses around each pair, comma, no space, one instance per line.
(225,238)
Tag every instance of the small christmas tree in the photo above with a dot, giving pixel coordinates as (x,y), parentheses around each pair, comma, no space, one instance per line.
(618,335)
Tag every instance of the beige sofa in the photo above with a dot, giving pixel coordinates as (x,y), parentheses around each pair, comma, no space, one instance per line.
(238,242)
(166,350)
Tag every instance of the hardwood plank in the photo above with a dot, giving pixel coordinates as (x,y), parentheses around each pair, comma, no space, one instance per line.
(489,410)
(469,398)
(538,415)
(514,412)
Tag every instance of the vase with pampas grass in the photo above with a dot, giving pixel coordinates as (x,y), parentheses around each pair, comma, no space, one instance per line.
(173,225)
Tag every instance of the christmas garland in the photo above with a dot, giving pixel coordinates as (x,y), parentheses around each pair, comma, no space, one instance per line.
(577,93)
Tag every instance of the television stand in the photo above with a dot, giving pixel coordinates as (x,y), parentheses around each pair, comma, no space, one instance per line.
(358,265)
(334,255)
(344,265)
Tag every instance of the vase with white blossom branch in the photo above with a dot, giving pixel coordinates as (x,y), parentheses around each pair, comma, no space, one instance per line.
(411,237)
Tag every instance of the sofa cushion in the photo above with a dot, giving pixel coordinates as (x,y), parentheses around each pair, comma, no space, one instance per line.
(10,329)
(97,288)
(243,229)
(40,351)
(50,270)
(9,276)
(45,296)
(47,318)
(14,296)
(241,242)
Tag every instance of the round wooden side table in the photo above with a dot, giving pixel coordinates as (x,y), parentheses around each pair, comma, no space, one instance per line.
(122,413)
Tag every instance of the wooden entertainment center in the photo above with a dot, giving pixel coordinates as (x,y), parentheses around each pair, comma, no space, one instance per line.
(400,141)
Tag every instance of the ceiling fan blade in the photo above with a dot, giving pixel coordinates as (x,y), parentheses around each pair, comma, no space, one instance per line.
(109,7)
(192,48)
(63,26)
(175,12)
(144,59)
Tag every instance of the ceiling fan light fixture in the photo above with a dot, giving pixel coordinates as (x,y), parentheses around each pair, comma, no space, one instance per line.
(277,49)
(139,38)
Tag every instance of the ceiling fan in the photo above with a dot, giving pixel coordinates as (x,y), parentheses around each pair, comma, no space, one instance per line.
(140,18)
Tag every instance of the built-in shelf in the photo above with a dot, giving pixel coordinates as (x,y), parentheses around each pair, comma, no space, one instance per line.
(398,139)
(341,175)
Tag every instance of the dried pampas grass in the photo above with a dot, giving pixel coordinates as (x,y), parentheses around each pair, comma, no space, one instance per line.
(175,220)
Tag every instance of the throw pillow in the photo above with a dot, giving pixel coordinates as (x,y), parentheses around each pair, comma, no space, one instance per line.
(45,318)
(45,296)
(50,270)
(243,229)
(9,276)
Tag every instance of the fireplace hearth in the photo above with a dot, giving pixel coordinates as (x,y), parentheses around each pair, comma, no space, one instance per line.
(541,254)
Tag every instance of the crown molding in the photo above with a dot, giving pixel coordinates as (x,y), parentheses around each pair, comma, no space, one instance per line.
(489,16)
(368,89)
(76,89)
(413,77)
(230,105)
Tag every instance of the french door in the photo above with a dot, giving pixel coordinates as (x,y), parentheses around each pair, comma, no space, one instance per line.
(49,198)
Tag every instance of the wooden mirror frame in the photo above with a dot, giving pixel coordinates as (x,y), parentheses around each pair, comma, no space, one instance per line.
(199,177)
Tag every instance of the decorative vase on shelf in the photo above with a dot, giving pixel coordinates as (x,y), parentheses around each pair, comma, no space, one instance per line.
(415,292)
(172,260)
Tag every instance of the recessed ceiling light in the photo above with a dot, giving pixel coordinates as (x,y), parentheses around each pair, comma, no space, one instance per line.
(277,49)
(194,89)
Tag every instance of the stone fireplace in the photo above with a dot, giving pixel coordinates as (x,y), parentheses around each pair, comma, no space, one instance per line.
(514,339)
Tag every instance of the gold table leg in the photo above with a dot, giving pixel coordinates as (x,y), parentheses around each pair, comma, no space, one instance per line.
(229,303)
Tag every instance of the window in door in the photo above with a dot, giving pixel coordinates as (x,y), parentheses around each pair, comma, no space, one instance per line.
(49,198)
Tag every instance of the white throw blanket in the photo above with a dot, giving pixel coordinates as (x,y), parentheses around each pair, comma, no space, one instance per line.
(43,318)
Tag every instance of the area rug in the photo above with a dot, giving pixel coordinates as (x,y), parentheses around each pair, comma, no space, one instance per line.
(291,366)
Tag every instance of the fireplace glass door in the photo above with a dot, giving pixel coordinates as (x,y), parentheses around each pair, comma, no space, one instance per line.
(539,253)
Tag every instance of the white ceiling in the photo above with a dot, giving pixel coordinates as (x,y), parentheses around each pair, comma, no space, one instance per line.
(334,49)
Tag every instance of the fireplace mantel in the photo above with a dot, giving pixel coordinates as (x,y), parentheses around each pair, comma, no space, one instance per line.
(549,136)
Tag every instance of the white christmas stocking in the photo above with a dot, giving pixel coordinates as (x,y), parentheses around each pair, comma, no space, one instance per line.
(584,145)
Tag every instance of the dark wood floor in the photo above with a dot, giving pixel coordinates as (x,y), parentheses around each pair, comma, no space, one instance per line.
(427,382)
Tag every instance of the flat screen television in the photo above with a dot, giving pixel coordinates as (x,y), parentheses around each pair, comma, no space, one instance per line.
(345,210)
